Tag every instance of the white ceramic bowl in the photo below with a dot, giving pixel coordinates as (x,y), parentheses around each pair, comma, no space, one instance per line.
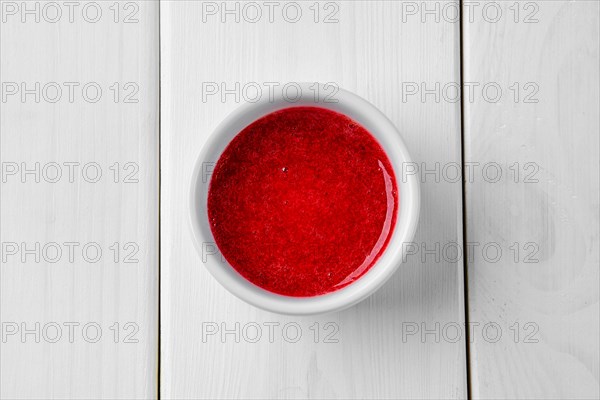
(386,134)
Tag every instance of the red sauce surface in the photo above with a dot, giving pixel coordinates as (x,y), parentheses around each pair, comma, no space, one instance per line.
(303,202)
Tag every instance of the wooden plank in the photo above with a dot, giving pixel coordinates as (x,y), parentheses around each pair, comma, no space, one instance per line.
(373,49)
(69,137)
(540,296)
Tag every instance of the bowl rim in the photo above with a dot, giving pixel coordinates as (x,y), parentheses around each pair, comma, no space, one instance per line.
(361,111)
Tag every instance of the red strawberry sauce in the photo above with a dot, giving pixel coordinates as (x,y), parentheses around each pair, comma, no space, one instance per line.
(303,201)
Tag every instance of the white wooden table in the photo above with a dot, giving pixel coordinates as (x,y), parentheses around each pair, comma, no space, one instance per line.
(105,106)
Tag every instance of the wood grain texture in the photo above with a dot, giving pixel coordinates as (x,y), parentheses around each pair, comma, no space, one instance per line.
(56,290)
(371,52)
(550,209)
